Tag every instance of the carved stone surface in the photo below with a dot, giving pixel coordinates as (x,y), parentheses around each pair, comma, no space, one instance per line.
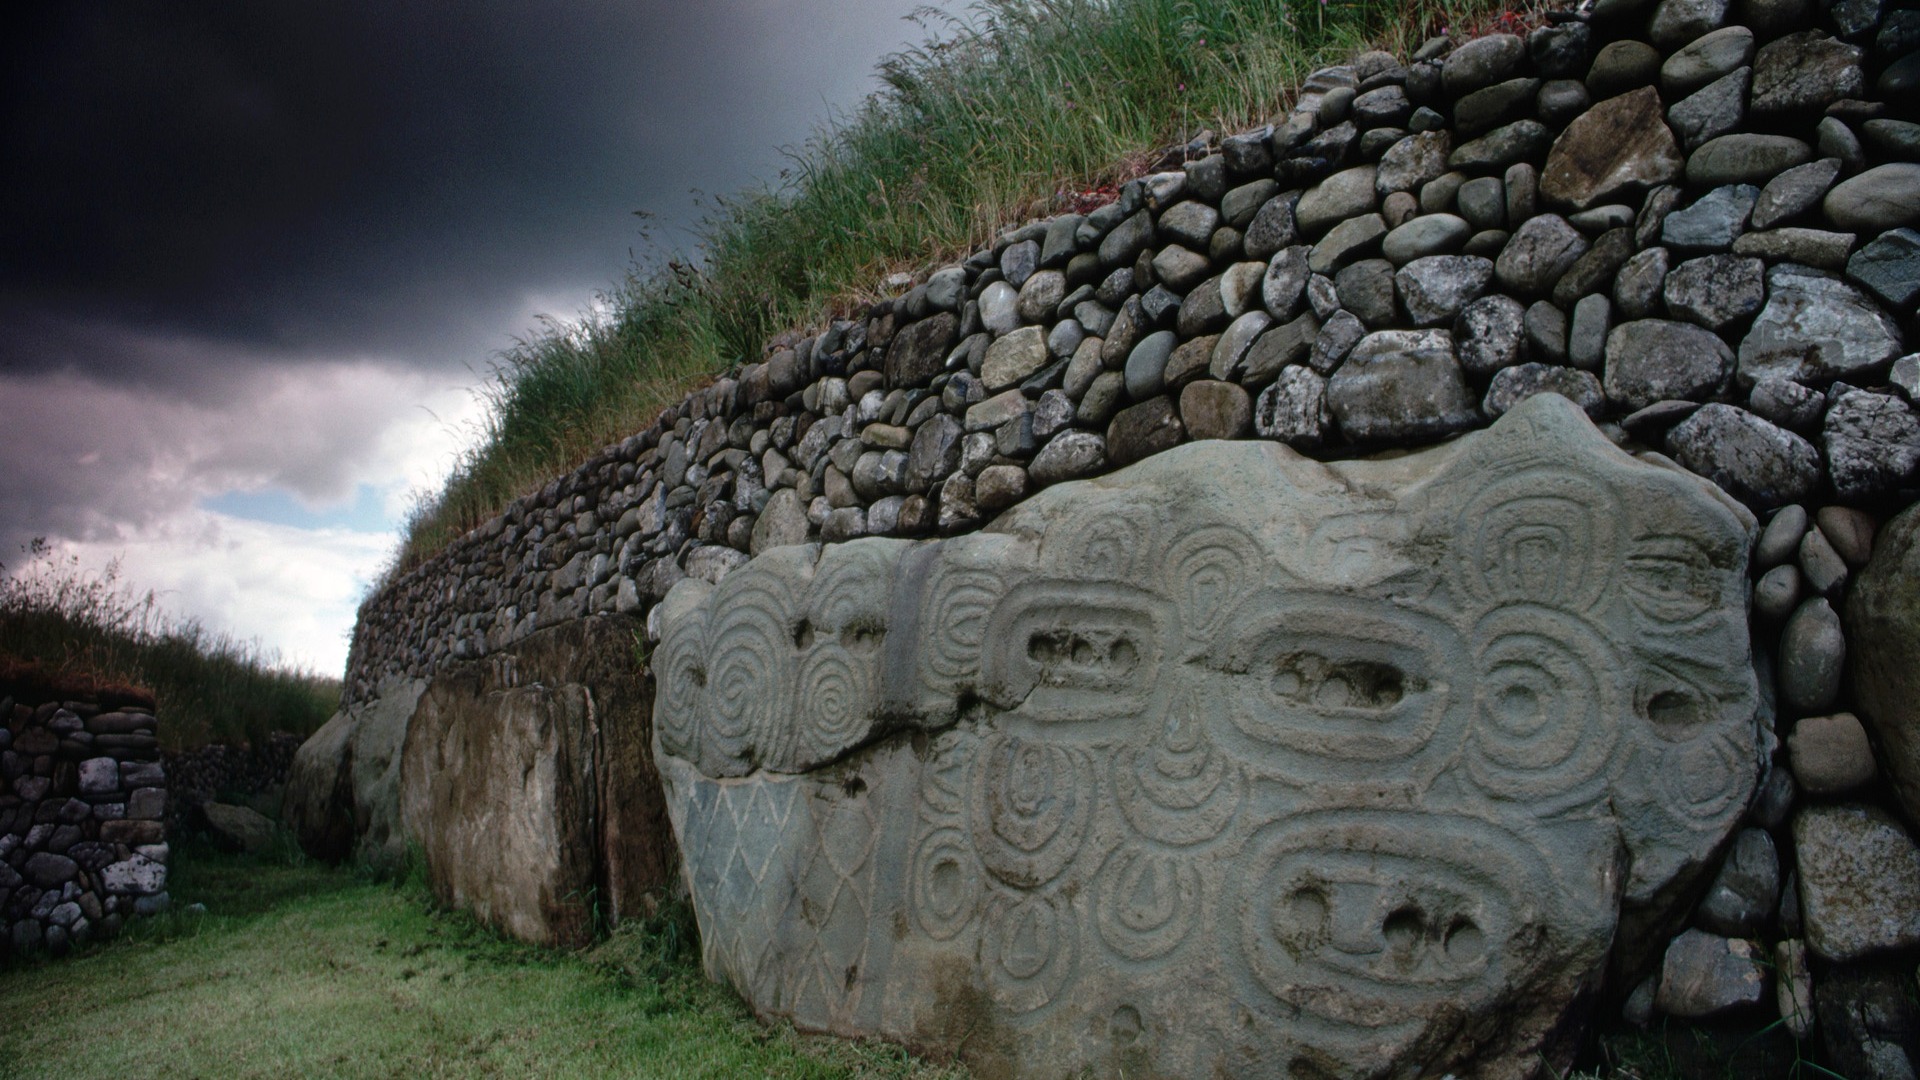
(1228,763)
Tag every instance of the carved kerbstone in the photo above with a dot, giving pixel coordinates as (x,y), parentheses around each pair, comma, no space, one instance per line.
(1228,763)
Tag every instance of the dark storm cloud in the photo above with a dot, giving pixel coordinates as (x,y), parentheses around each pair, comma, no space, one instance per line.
(365,179)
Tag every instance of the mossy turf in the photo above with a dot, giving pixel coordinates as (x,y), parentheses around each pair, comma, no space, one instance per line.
(301,970)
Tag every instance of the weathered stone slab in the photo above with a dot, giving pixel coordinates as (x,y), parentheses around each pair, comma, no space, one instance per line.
(527,783)
(1229,762)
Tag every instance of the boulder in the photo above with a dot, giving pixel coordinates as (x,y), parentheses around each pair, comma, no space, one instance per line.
(527,783)
(1883,634)
(1229,756)
(1816,329)
(343,789)
(237,828)
(1621,145)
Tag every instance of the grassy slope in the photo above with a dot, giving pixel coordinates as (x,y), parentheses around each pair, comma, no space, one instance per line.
(299,970)
(208,687)
(997,118)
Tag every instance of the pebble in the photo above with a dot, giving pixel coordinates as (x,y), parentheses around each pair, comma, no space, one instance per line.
(1676,22)
(1491,332)
(1888,267)
(1147,364)
(1617,146)
(1637,288)
(1776,594)
(1354,238)
(1757,462)
(1587,334)
(1013,358)
(1649,360)
(1511,386)
(1850,531)
(1716,291)
(1813,653)
(1191,223)
(1794,192)
(1804,72)
(1793,987)
(1817,248)
(1713,221)
(1142,430)
(1294,409)
(1876,200)
(1872,443)
(1435,289)
(1714,110)
(1542,249)
(1069,455)
(1703,974)
(1000,308)
(1816,329)
(1482,62)
(1859,876)
(1706,58)
(1483,202)
(998,487)
(1746,889)
(1522,140)
(1233,345)
(1830,754)
(1546,327)
(1745,159)
(1622,66)
(1340,197)
(1825,570)
(1401,384)
(1430,234)
(1366,289)
(1211,409)
(1273,228)
(1780,539)
(1180,269)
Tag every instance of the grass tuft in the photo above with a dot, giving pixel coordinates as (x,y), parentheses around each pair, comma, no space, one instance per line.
(1012,108)
(62,625)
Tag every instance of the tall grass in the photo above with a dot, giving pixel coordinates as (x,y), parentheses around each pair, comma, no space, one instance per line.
(1005,111)
(72,625)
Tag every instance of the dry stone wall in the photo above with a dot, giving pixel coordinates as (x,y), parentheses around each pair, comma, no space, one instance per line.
(83,798)
(1696,220)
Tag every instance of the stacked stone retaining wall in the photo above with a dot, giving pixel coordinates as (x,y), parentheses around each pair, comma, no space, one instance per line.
(83,801)
(1694,219)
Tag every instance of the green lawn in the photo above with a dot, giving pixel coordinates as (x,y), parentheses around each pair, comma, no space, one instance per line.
(301,970)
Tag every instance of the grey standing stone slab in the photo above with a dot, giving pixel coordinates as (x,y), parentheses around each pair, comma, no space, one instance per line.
(1816,329)
(1859,877)
(1133,852)
(1651,360)
(1755,461)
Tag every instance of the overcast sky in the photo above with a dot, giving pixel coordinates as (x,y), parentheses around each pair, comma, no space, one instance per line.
(255,254)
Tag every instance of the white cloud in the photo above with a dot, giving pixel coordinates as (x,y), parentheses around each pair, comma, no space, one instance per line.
(111,471)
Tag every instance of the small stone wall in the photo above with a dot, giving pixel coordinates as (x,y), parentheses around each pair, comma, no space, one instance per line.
(225,772)
(83,844)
